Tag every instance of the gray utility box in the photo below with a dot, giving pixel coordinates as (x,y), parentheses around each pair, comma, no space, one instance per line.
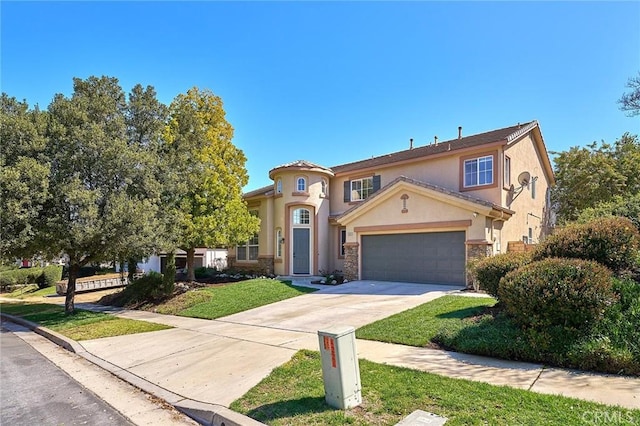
(340,370)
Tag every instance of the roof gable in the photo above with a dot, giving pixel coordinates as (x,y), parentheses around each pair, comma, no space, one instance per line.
(452,197)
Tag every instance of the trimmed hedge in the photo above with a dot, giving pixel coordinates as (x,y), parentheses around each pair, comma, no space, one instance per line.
(570,293)
(44,277)
(489,271)
(613,242)
(50,276)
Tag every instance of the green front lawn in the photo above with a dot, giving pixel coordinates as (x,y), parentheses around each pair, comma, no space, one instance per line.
(293,394)
(31,291)
(418,326)
(463,324)
(83,325)
(216,302)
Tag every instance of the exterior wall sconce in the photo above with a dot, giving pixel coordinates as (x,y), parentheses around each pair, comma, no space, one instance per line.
(475,214)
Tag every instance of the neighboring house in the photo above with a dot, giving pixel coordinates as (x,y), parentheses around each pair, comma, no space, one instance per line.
(207,257)
(417,215)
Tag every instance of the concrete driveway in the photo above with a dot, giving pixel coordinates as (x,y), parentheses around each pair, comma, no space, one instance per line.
(217,361)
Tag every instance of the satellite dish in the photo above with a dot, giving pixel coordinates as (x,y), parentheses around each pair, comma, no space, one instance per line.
(524,178)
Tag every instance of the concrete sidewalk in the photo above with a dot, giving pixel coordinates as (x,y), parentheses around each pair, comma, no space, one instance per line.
(214,362)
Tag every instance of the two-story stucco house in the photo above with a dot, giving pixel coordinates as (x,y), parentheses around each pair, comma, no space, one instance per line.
(417,215)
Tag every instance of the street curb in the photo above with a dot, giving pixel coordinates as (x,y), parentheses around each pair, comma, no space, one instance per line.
(202,412)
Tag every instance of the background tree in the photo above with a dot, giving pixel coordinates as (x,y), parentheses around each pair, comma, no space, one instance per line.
(102,199)
(208,172)
(596,174)
(24,173)
(145,118)
(630,102)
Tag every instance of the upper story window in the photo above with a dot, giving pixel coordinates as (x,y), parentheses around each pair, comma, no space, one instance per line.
(361,189)
(279,186)
(507,171)
(301,217)
(301,184)
(324,187)
(478,171)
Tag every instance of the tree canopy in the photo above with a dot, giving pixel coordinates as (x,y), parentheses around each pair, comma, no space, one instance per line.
(595,174)
(630,102)
(208,173)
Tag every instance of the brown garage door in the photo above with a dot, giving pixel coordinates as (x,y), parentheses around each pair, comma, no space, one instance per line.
(434,257)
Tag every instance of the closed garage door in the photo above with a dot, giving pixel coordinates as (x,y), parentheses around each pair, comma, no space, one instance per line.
(436,257)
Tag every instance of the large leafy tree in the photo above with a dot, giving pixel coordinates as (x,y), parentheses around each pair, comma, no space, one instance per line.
(24,172)
(595,174)
(630,101)
(103,200)
(207,173)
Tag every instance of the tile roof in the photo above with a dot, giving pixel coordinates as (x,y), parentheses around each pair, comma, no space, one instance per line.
(260,191)
(506,134)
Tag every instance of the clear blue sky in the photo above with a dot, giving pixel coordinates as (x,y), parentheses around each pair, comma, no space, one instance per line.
(335,82)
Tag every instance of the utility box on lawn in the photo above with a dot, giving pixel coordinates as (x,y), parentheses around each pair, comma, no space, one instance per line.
(340,370)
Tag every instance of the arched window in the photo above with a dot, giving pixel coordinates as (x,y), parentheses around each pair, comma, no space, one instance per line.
(301,184)
(279,186)
(301,217)
(278,242)
(324,187)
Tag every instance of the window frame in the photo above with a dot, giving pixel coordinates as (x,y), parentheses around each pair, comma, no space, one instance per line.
(279,186)
(507,171)
(298,220)
(342,239)
(249,255)
(304,184)
(278,243)
(361,180)
(492,173)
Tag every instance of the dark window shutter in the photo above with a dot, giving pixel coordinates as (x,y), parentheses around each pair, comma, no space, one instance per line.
(347,191)
(376,183)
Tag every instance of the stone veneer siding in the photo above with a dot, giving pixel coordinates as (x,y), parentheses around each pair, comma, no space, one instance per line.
(476,251)
(350,268)
(264,265)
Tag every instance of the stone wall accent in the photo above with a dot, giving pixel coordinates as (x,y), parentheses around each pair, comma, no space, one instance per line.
(476,251)
(350,268)
(263,266)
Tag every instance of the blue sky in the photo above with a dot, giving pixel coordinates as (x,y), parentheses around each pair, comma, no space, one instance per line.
(335,82)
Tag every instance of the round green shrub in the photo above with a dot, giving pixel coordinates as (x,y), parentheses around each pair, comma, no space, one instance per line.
(50,276)
(571,293)
(613,242)
(489,271)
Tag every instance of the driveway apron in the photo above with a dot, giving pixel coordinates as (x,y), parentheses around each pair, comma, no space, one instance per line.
(218,361)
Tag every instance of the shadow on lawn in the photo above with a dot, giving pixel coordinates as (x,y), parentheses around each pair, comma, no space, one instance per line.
(290,408)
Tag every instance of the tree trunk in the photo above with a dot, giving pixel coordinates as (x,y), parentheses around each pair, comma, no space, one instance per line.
(69,307)
(132,266)
(169,278)
(191,273)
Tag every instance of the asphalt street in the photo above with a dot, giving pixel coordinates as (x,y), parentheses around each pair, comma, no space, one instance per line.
(34,391)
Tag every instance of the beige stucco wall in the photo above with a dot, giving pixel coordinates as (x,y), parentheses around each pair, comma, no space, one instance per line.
(421,209)
(314,200)
(529,211)
(442,171)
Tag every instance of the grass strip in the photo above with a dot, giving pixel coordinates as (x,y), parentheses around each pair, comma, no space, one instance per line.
(418,326)
(293,394)
(83,325)
(216,302)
